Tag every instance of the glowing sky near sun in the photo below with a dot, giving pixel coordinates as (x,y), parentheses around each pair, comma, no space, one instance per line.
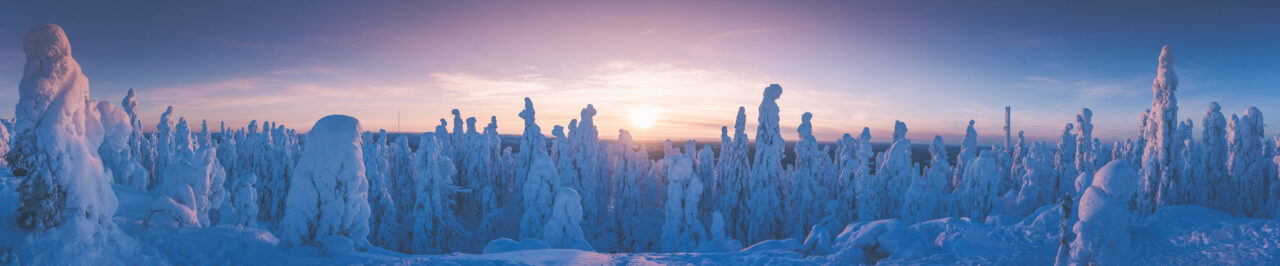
(664,69)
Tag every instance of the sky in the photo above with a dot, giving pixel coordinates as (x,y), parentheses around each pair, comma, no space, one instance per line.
(662,69)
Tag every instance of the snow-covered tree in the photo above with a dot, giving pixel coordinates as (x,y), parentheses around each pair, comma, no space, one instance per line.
(383,221)
(532,143)
(881,196)
(1039,178)
(1157,158)
(1086,154)
(328,197)
(925,199)
(978,191)
(1213,139)
(1103,235)
(1066,160)
(810,181)
(968,152)
(241,207)
(193,188)
(731,175)
(1246,163)
(164,145)
(563,230)
(115,150)
(435,227)
(762,218)
(53,141)
(682,231)
(539,192)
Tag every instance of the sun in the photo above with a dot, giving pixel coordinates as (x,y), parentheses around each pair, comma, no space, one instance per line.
(643,118)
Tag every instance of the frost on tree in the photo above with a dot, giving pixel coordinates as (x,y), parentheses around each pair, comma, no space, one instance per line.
(1246,164)
(720,240)
(377,164)
(164,147)
(435,227)
(564,229)
(65,182)
(1157,157)
(1102,233)
(763,221)
(539,192)
(682,231)
(328,196)
(1086,152)
(926,196)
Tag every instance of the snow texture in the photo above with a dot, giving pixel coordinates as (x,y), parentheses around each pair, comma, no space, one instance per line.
(328,196)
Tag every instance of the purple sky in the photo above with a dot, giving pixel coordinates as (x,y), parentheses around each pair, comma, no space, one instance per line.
(686,65)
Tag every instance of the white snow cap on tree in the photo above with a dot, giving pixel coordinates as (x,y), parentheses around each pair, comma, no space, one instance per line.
(682,232)
(194,188)
(53,121)
(1214,144)
(925,197)
(564,229)
(1102,233)
(328,194)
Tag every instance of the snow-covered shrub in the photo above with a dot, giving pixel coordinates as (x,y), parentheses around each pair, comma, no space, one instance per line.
(682,232)
(563,230)
(328,196)
(1102,233)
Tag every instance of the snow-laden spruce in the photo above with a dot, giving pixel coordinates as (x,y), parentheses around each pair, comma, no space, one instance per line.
(1213,141)
(1157,158)
(882,195)
(435,227)
(813,171)
(564,229)
(926,198)
(1247,164)
(682,231)
(66,197)
(763,220)
(732,169)
(115,150)
(979,191)
(193,189)
(1102,233)
(968,152)
(539,192)
(327,203)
